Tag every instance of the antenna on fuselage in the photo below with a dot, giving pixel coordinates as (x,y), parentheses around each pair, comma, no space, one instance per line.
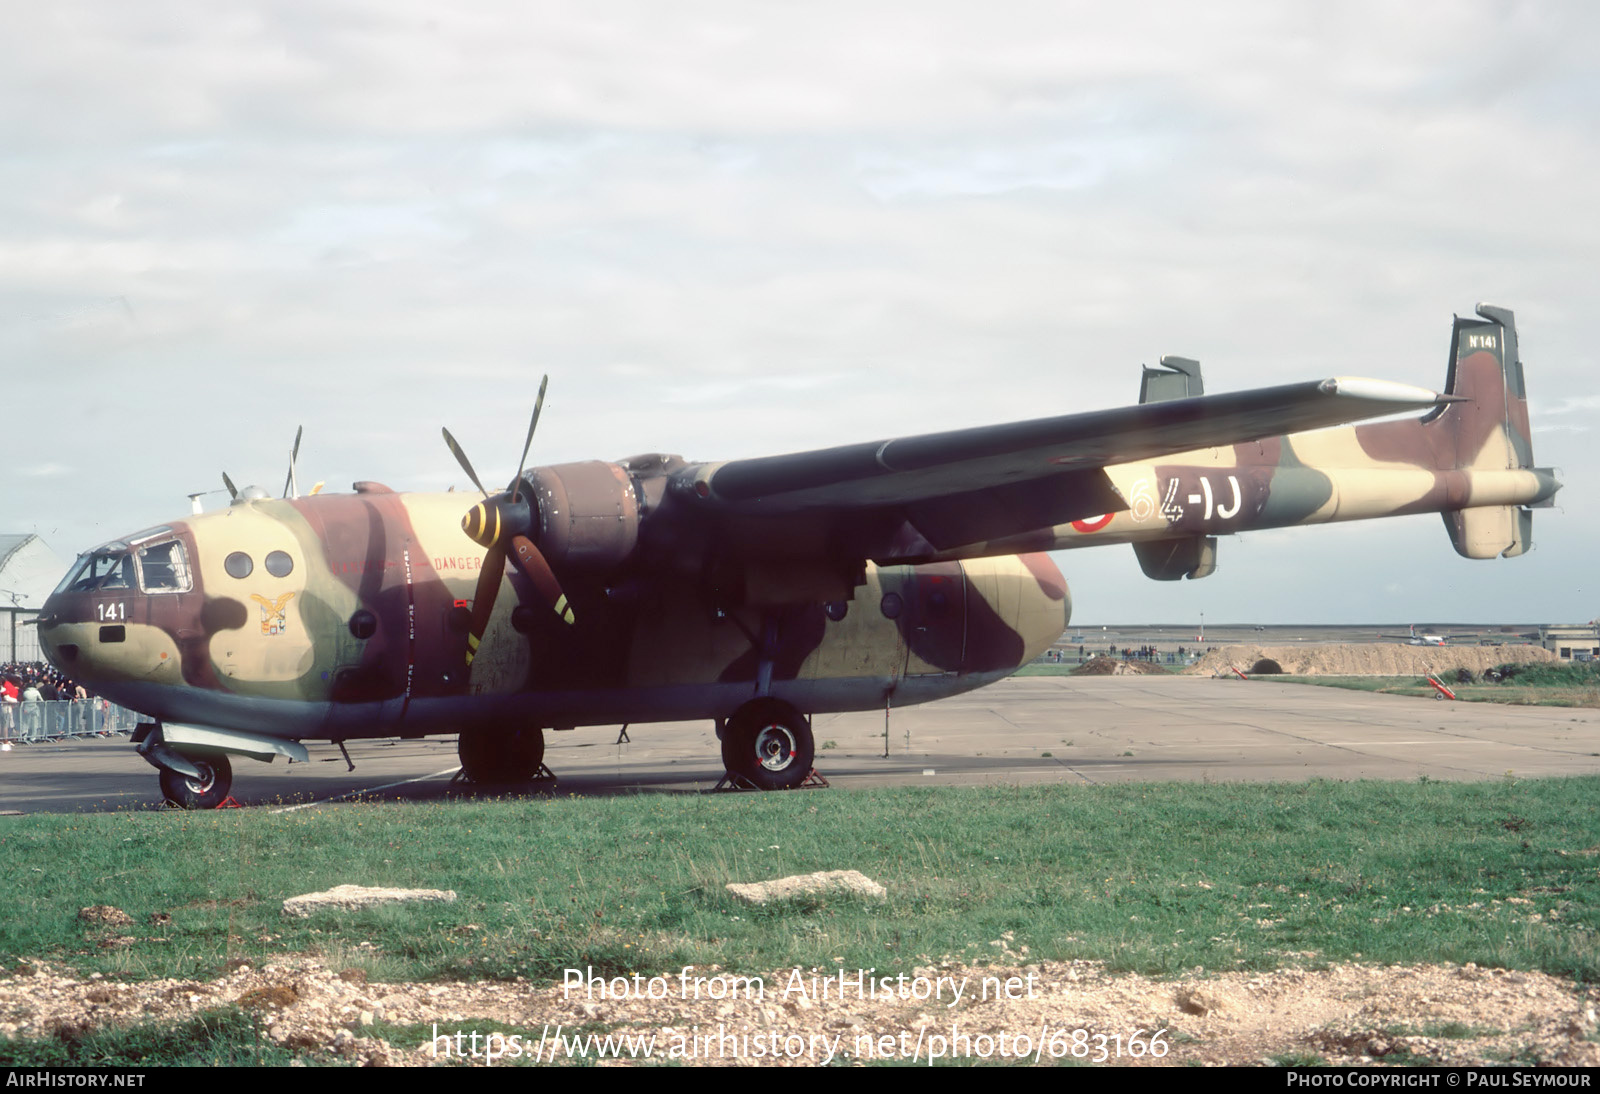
(194,500)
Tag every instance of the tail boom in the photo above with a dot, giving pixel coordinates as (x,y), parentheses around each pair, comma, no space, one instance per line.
(1470,459)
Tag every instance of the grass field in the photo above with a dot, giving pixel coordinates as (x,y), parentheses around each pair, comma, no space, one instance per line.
(1156,879)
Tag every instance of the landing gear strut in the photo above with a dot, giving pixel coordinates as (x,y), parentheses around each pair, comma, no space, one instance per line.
(768,743)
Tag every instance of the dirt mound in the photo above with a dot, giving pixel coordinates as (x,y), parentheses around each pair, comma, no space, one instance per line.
(1368,659)
(1110,666)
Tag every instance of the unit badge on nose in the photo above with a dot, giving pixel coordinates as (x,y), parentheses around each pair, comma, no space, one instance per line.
(272,613)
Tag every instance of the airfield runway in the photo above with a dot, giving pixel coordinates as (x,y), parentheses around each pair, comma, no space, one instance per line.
(1024,730)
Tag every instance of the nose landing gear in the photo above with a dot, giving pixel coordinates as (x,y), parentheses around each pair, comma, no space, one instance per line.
(207,790)
(501,756)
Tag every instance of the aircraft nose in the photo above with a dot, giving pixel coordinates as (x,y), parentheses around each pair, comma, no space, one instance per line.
(60,610)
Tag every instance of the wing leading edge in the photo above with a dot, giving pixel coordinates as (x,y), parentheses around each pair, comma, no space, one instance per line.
(933,465)
(900,498)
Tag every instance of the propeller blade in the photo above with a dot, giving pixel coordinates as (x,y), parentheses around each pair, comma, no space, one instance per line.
(315,490)
(233,491)
(490,523)
(466,464)
(494,568)
(537,570)
(294,454)
(538,405)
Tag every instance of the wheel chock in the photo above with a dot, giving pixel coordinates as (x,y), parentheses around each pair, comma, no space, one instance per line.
(732,781)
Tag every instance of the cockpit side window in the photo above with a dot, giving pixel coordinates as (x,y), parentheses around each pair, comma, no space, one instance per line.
(164,568)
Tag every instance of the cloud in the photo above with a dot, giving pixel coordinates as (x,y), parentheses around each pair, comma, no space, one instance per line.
(731,230)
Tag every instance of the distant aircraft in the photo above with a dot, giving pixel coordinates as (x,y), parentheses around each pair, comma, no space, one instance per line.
(1414,639)
(754,592)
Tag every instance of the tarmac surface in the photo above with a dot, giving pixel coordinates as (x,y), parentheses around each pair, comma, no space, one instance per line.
(1039,729)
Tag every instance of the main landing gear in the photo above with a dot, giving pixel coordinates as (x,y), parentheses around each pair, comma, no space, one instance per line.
(490,756)
(768,744)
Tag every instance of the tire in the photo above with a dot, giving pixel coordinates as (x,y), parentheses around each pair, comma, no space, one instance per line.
(769,744)
(207,792)
(522,752)
(491,756)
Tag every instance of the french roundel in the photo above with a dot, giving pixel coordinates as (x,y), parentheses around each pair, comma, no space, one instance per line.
(1092,524)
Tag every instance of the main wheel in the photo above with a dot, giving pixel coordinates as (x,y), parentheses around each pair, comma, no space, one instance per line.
(522,753)
(769,744)
(501,756)
(208,791)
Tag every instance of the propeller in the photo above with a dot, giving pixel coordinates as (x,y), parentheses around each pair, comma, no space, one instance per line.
(294,454)
(502,523)
(291,485)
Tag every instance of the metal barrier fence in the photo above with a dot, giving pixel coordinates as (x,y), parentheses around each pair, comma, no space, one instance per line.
(27,723)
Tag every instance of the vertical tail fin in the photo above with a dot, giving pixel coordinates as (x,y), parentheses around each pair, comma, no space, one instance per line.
(1491,430)
(1488,431)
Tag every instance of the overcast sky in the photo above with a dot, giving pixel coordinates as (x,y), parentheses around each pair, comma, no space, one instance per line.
(733,229)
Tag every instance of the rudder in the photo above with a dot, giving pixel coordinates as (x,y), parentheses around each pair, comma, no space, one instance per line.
(1489,428)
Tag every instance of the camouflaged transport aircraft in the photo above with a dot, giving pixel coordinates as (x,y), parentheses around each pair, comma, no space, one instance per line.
(753,592)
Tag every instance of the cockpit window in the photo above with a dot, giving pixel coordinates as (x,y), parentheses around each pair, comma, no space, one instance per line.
(164,568)
(104,568)
(73,574)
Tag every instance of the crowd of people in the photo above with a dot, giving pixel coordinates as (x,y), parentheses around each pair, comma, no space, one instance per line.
(1152,654)
(37,702)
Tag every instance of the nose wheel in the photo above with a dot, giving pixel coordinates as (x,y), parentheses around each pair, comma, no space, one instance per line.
(768,743)
(209,791)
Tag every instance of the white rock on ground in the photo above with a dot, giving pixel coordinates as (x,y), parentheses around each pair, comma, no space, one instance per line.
(359,896)
(825,883)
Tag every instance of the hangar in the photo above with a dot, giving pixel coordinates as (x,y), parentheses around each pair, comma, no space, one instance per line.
(29,570)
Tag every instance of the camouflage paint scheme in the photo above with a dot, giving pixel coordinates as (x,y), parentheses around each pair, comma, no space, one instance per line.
(758,591)
(250,652)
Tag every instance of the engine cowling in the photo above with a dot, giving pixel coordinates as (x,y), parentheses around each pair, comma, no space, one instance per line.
(587,513)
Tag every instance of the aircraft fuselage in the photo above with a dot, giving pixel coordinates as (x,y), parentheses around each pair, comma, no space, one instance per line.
(346,616)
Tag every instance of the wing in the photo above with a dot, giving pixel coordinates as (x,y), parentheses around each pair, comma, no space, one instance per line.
(909,498)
